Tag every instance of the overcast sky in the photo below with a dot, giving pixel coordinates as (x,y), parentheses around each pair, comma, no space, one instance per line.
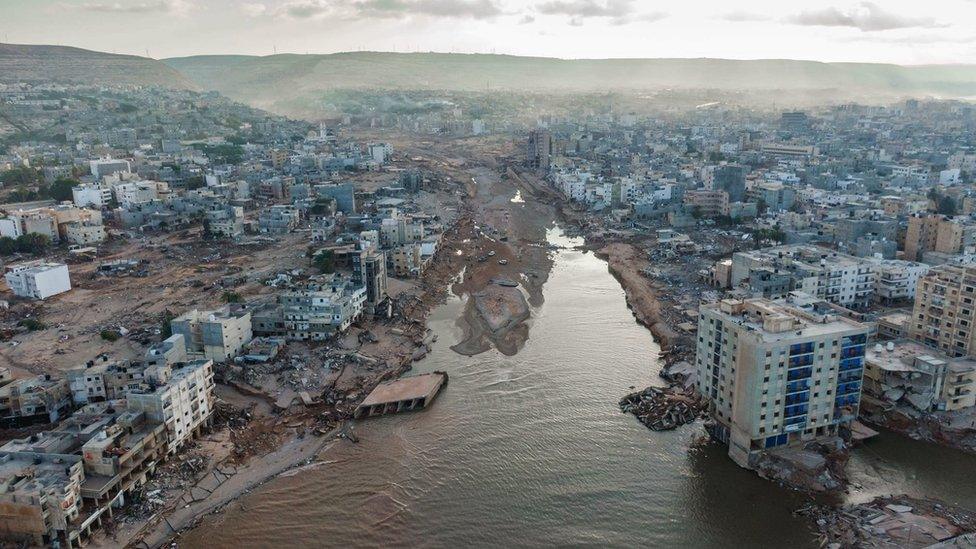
(893,31)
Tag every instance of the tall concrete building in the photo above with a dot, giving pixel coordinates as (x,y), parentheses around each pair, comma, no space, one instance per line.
(539,151)
(219,334)
(730,178)
(936,233)
(776,373)
(945,302)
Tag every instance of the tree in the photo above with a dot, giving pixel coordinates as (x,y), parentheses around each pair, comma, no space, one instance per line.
(33,243)
(8,246)
(196,182)
(231,297)
(947,205)
(60,190)
(325,262)
(20,176)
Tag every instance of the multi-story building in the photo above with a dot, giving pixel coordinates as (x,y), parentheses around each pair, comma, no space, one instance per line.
(84,233)
(908,372)
(835,277)
(279,219)
(369,271)
(943,316)
(108,166)
(897,279)
(316,312)
(40,497)
(180,397)
(936,233)
(38,279)
(39,399)
(218,334)
(91,195)
(224,220)
(539,149)
(707,203)
(775,373)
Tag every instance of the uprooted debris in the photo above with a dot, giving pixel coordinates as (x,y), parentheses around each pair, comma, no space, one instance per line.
(663,409)
(817,466)
(897,521)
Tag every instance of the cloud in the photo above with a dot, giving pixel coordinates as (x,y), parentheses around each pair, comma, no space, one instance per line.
(356,9)
(474,9)
(149,6)
(527,19)
(739,16)
(866,17)
(618,12)
(254,10)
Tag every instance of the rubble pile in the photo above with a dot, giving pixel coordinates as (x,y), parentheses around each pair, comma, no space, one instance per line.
(896,521)
(818,466)
(663,409)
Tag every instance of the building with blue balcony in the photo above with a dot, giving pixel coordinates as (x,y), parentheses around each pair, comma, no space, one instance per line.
(777,373)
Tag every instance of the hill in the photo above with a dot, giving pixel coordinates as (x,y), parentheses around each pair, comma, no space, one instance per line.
(267,81)
(67,65)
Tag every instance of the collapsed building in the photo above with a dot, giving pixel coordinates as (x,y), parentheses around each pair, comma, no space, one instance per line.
(907,373)
(58,486)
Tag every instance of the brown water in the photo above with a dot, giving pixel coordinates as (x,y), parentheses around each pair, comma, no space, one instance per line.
(532,450)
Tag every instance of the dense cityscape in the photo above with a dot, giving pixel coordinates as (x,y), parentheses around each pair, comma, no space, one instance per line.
(206,303)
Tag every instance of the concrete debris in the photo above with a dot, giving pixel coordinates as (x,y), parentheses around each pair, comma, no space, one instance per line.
(889,522)
(663,409)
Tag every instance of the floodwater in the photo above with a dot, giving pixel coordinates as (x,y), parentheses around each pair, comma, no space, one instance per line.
(531,450)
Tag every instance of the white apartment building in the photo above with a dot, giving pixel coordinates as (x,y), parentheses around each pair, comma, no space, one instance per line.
(897,279)
(84,233)
(108,166)
(38,279)
(94,196)
(835,277)
(219,334)
(182,399)
(776,373)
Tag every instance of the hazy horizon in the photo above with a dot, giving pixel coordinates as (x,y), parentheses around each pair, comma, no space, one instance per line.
(892,32)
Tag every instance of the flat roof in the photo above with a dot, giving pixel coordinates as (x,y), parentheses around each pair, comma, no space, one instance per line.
(406,388)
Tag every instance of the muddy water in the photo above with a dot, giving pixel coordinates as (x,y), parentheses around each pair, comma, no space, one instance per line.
(531,450)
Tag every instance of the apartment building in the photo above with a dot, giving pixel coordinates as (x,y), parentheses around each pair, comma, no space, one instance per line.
(777,372)
(219,334)
(279,219)
(943,314)
(897,279)
(180,397)
(829,275)
(904,372)
(937,233)
(40,497)
(316,312)
(707,203)
(38,279)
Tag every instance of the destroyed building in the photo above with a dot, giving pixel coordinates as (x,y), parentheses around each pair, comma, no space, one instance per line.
(316,311)
(905,372)
(219,334)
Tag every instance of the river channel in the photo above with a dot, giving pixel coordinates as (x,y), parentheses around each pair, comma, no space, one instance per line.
(531,450)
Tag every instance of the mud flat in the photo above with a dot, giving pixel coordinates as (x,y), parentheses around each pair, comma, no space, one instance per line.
(494,317)
(625,265)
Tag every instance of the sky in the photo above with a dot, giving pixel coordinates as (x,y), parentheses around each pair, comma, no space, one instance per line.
(887,31)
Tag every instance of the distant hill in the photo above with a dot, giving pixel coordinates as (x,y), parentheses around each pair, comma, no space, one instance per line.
(66,65)
(277,79)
